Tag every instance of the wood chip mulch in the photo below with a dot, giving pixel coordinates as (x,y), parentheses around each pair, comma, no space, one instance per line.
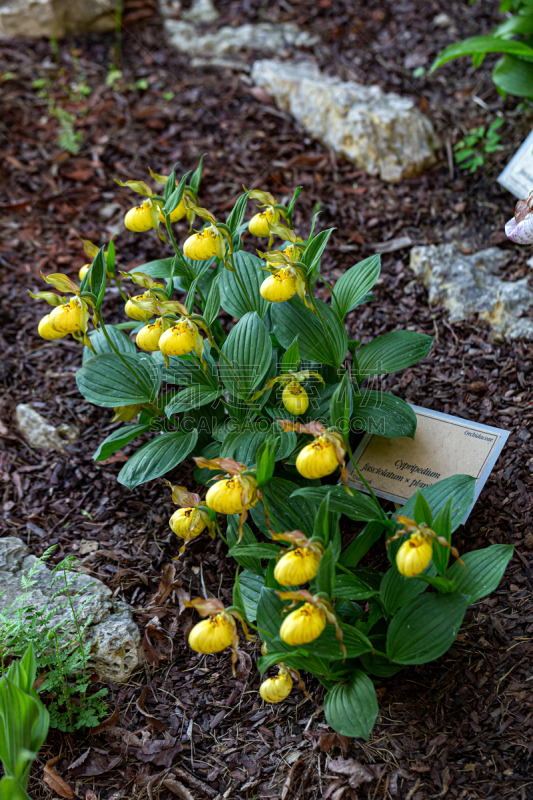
(461,727)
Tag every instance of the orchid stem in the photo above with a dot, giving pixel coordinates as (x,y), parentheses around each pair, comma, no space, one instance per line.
(365,483)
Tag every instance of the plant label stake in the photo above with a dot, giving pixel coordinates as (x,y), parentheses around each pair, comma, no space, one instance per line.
(443,445)
(517,177)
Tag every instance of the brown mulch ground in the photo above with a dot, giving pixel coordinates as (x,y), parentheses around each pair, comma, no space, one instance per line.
(459,728)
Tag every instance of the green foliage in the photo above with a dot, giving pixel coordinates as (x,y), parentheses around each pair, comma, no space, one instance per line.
(60,651)
(513,73)
(24,724)
(470,152)
(228,404)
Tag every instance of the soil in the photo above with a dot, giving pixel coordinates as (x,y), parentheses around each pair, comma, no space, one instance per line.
(461,727)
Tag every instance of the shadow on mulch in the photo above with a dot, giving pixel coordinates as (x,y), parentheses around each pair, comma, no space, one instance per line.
(459,728)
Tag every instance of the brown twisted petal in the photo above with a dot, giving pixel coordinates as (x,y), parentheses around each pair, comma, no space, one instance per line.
(182,497)
(314,428)
(205,607)
(228,464)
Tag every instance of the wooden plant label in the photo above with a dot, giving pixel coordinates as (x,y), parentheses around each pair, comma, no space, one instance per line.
(443,446)
(517,177)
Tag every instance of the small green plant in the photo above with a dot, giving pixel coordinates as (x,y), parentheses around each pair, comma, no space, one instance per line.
(24,723)
(69,139)
(113,76)
(470,152)
(513,72)
(58,643)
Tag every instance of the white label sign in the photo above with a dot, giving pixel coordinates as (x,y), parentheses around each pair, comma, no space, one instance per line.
(517,177)
(443,446)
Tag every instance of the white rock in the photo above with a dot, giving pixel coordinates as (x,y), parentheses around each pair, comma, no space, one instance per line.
(116,649)
(55,17)
(383,133)
(201,11)
(264,36)
(442,21)
(169,8)
(468,285)
(39,433)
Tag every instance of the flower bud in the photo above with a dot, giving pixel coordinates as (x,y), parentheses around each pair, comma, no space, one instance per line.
(178,213)
(519,229)
(83,271)
(203,245)
(178,340)
(46,331)
(212,635)
(258,225)
(149,336)
(303,625)
(414,555)
(280,287)
(67,318)
(225,496)
(295,398)
(133,311)
(187,523)
(274,690)
(292,252)
(139,219)
(318,459)
(297,566)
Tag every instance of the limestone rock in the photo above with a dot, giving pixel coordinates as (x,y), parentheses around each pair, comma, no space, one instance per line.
(12,553)
(55,17)
(381,132)
(265,36)
(39,433)
(469,284)
(115,640)
(201,11)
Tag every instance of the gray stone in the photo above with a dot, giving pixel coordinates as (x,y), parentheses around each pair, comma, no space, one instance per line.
(201,11)
(55,17)
(264,36)
(381,132)
(13,551)
(114,637)
(39,433)
(469,285)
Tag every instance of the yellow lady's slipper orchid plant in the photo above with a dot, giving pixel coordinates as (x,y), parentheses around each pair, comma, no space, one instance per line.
(204,339)
(294,396)
(190,520)
(217,632)
(415,554)
(300,563)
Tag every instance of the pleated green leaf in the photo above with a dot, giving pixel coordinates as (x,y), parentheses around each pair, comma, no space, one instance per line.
(192,397)
(483,570)
(106,381)
(352,708)
(119,439)
(462,488)
(121,341)
(325,345)
(357,506)
(392,352)
(383,413)
(157,457)
(251,585)
(239,293)
(248,352)
(426,628)
(354,284)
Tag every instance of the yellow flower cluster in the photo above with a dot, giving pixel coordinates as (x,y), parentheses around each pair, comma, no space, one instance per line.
(414,555)
(175,341)
(64,319)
